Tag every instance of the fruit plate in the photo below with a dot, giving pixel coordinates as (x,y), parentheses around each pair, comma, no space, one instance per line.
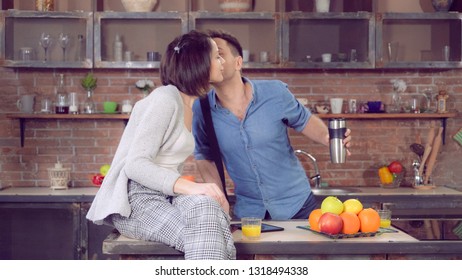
(342,236)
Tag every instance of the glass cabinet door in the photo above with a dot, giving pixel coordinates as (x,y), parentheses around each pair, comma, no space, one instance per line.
(328,40)
(47,39)
(418,40)
(258,33)
(139,34)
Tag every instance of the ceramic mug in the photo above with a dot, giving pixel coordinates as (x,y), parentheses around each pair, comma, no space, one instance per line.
(245,55)
(326,57)
(26,103)
(336,105)
(374,106)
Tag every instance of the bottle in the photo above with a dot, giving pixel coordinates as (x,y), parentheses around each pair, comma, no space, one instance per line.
(118,48)
(62,104)
(80,54)
(337,129)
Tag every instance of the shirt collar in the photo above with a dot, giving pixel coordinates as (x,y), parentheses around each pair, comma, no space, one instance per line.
(213,94)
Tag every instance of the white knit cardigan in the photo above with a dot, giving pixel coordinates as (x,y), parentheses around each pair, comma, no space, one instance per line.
(155,124)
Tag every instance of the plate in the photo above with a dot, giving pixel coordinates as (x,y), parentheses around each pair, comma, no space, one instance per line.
(356,235)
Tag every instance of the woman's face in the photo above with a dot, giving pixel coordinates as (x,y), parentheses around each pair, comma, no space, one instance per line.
(216,64)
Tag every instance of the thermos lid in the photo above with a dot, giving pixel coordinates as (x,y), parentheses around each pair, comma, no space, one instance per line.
(336,123)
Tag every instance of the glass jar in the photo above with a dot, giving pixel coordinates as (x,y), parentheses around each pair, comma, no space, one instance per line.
(89,106)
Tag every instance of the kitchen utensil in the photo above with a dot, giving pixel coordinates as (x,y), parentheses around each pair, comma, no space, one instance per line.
(418,149)
(434,153)
(458,137)
(428,147)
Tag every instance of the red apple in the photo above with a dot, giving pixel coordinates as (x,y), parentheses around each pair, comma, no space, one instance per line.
(395,167)
(330,223)
(97,179)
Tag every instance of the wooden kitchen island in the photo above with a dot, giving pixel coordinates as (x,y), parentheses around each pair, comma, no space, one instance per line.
(296,243)
(61,231)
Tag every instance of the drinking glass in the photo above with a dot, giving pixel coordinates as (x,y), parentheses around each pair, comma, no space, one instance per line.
(63,42)
(251,228)
(45,42)
(385,218)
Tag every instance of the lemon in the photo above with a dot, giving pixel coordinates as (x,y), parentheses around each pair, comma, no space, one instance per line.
(104,169)
(352,205)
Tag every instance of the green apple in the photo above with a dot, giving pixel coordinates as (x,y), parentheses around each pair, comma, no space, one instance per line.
(332,204)
(104,169)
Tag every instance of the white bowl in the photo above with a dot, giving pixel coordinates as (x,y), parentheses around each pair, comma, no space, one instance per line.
(139,5)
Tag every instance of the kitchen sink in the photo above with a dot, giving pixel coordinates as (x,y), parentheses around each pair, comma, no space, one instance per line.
(334,191)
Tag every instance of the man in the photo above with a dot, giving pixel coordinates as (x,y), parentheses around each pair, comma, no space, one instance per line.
(251,120)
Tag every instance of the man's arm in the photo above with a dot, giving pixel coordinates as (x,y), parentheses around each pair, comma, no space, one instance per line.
(209,171)
(316,130)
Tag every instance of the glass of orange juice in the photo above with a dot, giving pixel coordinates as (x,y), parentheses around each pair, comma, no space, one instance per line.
(251,228)
(385,218)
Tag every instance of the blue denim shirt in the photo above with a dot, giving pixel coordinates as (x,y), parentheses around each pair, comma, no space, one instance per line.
(256,151)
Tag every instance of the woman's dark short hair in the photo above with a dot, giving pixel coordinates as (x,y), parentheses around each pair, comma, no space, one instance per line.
(232,41)
(186,63)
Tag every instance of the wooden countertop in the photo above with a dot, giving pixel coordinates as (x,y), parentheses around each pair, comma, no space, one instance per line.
(296,241)
(45,194)
(408,191)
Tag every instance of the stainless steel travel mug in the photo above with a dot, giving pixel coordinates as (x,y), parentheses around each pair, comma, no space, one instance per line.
(337,129)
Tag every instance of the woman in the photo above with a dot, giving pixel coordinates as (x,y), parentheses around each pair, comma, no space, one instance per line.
(143,195)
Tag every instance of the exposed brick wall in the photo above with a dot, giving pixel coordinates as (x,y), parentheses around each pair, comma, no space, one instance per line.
(85,145)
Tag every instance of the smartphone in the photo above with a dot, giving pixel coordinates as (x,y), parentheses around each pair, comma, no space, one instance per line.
(264,227)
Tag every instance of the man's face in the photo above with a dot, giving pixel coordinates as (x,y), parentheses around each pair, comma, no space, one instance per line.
(231,62)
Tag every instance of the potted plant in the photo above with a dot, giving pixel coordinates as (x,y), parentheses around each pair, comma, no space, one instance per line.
(89,83)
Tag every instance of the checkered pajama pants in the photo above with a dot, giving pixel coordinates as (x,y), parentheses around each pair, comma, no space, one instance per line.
(193,224)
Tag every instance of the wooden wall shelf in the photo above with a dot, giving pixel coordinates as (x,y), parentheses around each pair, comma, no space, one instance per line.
(443,117)
(23,117)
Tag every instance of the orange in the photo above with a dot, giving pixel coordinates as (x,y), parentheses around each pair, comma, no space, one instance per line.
(351,223)
(189,177)
(313,219)
(370,220)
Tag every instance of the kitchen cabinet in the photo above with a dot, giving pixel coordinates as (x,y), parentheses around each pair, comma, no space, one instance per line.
(431,32)
(348,37)
(295,36)
(44,224)
(22,30)
(153,33)
(248,27)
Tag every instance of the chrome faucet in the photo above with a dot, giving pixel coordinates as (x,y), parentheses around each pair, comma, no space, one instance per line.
(317,176)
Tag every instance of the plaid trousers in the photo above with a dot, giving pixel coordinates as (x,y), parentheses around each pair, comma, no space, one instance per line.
(194,224)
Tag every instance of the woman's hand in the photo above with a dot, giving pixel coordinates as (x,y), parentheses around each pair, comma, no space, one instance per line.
(183,186)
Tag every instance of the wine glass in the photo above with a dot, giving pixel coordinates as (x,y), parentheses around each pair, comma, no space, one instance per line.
(63,42)
(45,42)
